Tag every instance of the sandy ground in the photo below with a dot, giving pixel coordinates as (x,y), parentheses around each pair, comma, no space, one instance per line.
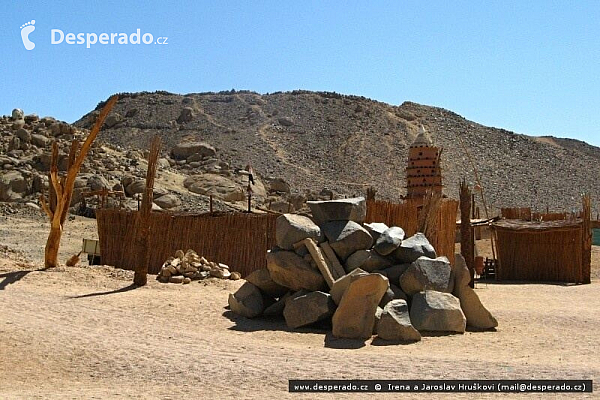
(85,332)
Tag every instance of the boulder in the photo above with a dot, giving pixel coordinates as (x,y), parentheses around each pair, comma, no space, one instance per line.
(340,285)
(354,209)
(39,140)
(113,119)
(414,247)
(136,186)
(389,240)
(308,309)
(355,316)
(375,229)
(24,135)
(186,115)
(347,237)
(367,260)
(292,271)
(462,276)
(395,272)
(17,114)
(98,182)
(186,149)
(168,201)
(247,301)
(13,186)
(261,278)
(427,274)
(215,185)
(278,185)
(394,323)
(477,315)
(292,228)
(437,312)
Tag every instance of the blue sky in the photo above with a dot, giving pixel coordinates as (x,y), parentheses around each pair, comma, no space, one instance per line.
(527,66)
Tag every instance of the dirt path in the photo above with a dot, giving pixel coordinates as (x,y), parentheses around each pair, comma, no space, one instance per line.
(84,332)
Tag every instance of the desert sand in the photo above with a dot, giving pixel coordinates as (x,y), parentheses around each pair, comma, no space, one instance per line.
(86,332)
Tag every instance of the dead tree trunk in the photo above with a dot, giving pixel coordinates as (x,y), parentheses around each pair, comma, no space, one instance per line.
(140,276)
(61,190)
(466,230)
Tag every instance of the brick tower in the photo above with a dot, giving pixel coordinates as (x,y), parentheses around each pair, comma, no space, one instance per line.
(423,172)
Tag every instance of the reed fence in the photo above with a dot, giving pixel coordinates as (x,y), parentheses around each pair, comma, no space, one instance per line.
(240,240)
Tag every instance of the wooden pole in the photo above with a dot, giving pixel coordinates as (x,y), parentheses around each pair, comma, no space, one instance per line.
(140,276)
(587,240)
(466,230)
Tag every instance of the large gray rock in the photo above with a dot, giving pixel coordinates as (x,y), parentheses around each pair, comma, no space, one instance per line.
(247,301)
(394,323)
(375,229)
(292,228)
(427,274)
(367,260)
(477,315)
(186,115)
(347,237)
(355,316)
(17,114)
(395,272)
(308,309)
(184,150)
(292,271)
(24,135)
(168,201)
(39,140)
(98,182)
(437,312)
(389,240)
(354,209)
(414,247)
(13,186)
(261,278)
(341,285)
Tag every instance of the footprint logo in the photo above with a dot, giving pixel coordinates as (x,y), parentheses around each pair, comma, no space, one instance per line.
(26,29)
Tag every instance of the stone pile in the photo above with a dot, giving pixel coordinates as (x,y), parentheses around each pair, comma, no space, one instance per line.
(364,278)
(189,266)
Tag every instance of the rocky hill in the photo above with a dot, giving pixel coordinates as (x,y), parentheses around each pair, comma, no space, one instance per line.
(321,143)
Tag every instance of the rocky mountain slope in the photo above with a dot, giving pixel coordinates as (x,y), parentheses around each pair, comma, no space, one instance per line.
(325,142)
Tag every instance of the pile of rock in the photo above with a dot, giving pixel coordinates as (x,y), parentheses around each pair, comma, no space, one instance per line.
(189,266)
(364,278)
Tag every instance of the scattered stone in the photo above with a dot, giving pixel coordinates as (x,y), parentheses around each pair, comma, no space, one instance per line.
(476,314)
(414,247)
(168,201)
(389,240)
(437,312)
(317,257)
(276,309)
(186,115)
(355,315)
(394,323)
(308,309)
(427,274)
(332,259)
(347,237)
(247,301)
(292,228)
(354,209)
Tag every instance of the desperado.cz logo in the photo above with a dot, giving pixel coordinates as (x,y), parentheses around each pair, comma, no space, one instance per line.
(57,36)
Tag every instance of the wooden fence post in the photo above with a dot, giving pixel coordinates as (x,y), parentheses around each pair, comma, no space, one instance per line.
(586,258)
(466,230)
